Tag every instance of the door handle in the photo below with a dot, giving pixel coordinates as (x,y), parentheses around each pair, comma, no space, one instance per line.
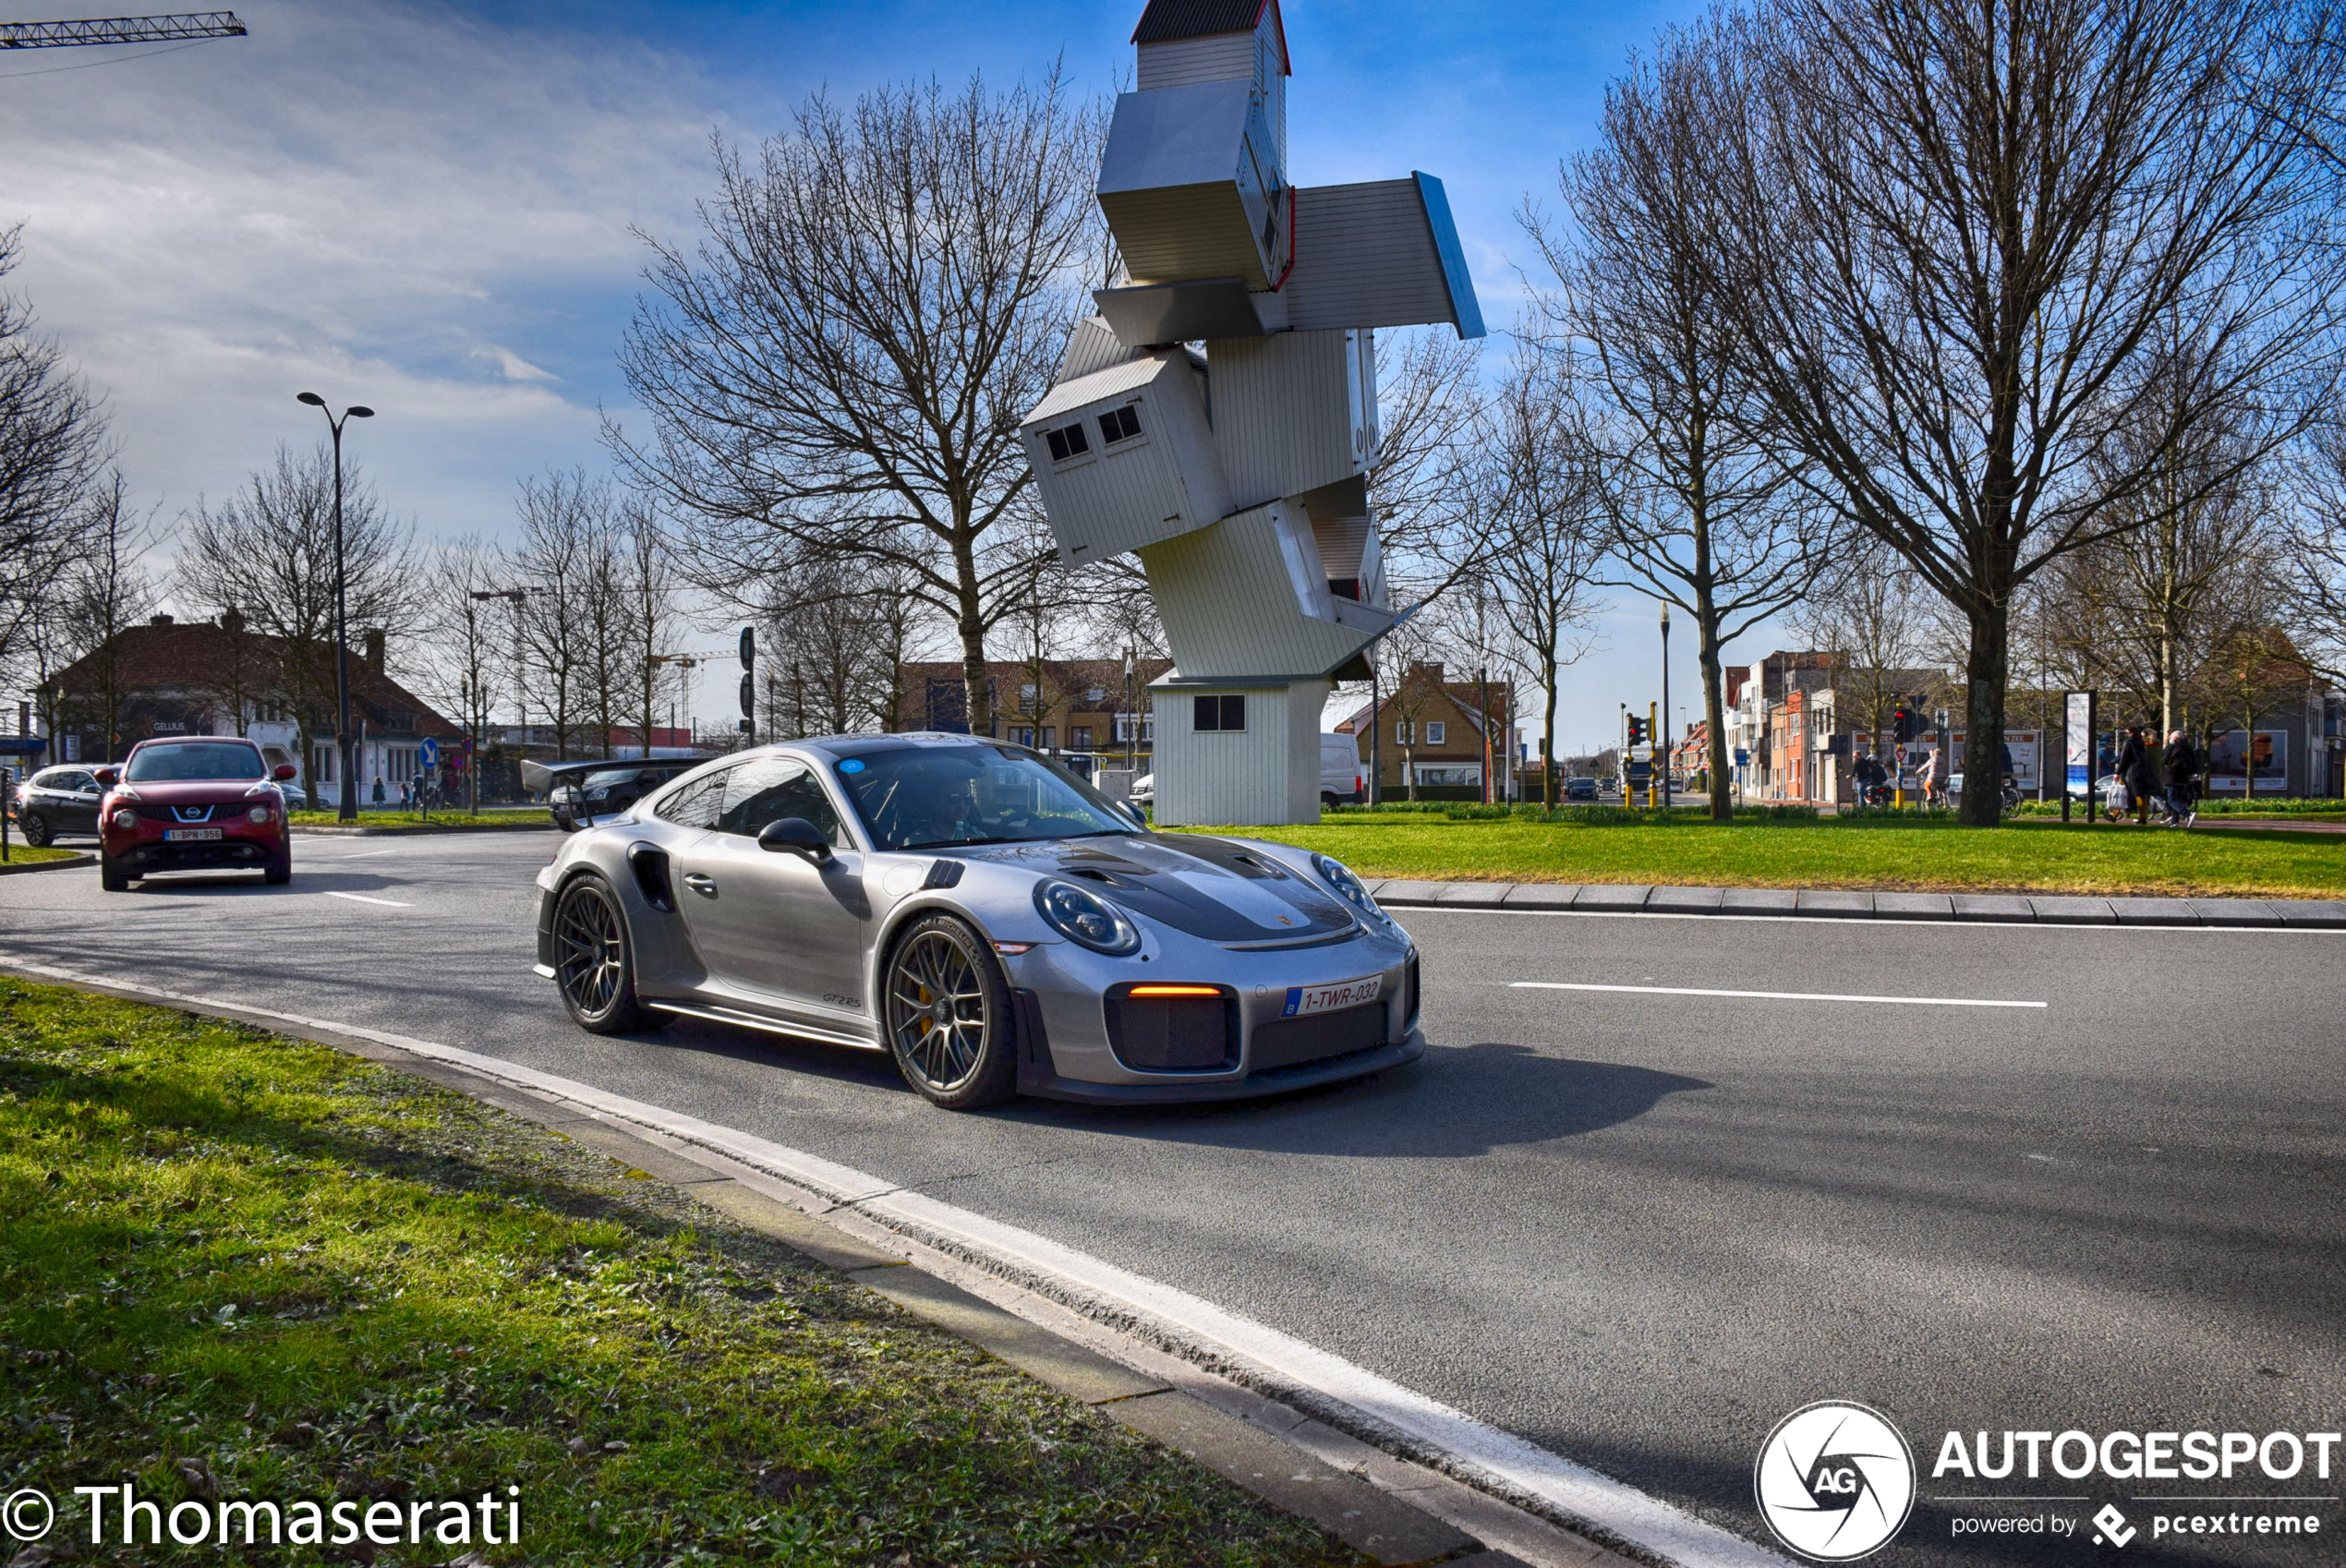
(704,885)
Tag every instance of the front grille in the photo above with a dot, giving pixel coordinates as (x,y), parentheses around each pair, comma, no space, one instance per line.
(185,816)
(1173,1033)
(1286,1043)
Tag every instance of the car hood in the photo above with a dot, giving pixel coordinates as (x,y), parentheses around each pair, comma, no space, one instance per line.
(192,792)
(1212,888)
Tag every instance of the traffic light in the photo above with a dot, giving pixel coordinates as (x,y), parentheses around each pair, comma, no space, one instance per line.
(1637,732)
(1905,726)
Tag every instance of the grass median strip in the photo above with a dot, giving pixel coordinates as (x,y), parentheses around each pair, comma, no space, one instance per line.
(238,1266)
(21,853)
(1880,852)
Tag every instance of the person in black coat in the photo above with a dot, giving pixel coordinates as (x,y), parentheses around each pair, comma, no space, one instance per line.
(2133,767)
(2181,761)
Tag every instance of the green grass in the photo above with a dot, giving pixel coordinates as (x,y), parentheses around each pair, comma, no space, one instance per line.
(416,819)
(236,1264)
(1928,853)
(22,853)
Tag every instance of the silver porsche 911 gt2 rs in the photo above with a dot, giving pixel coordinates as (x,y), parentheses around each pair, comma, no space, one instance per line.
(985,918)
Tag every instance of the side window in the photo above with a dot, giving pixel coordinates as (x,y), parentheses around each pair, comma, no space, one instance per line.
(79,783)
(771,789)
(696,804)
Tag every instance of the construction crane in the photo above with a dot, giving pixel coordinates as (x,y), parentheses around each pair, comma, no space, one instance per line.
(120,29)
(690,660)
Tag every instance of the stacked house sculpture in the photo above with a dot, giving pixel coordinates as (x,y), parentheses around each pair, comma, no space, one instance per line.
(1239,474)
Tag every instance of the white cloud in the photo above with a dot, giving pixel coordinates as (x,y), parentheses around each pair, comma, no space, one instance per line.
(394,204)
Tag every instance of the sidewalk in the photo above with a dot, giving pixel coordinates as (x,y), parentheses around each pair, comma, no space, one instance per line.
(2010,909)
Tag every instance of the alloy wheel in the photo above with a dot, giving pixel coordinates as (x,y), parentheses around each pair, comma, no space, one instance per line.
(593,951)
(939,1017)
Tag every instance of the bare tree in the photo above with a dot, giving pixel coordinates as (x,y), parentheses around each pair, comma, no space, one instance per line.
(267,553)
(1429,407)
(52,445)
(1545,515)
(1882,626)
(844,358)
(1706,514)
(1945,231)
(2315,569)
(651,610)
(466,636)
(104,589)
(558,576)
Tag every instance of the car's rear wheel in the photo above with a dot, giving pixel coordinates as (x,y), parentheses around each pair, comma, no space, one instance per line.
(594,961)
(36,830)
(112,875)
(947,1010)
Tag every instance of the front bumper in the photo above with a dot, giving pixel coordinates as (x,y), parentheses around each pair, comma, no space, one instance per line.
(242,845)
(1036,1077)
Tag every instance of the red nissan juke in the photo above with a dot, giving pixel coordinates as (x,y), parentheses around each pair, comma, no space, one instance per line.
(201,803)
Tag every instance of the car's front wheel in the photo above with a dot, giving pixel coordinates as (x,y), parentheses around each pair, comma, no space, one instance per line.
(113,875)
(594,963)
(947,1013)
(280,868)
(36,830)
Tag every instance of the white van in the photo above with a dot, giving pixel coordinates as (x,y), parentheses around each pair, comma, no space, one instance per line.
(1343,780)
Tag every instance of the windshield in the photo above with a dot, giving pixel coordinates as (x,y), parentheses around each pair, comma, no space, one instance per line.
(931,797)
(604,780)
(200,759)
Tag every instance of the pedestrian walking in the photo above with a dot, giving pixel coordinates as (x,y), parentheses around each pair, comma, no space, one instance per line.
(2134,772)
(2181,761)
(379,788)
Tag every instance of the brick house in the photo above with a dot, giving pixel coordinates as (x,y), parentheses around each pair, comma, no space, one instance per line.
(1438,725)
(1080,705)
(171,676)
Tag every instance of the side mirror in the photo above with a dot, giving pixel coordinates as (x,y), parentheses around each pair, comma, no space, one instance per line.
(284,771)
(795,836)
(107,778)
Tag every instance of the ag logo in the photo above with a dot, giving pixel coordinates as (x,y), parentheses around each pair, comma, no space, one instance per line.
(1834,1481)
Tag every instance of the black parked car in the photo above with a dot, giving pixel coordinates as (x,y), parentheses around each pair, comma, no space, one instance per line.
(57,800)
(579,794)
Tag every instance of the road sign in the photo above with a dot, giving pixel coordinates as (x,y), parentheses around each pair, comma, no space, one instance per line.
(428,754)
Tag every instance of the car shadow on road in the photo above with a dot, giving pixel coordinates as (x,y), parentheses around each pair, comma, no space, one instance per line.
(1453,1102)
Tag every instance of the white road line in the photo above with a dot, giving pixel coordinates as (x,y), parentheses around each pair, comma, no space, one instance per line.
(363,854)
(362,898)
(1770,996)
(1430,1430)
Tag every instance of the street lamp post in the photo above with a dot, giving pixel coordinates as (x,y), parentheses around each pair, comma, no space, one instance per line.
(346,795)
(1662,742)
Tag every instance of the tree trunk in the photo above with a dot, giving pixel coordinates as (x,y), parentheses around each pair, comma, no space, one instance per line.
(972,626)
(1986,669)
(1714,712)
(1548,730)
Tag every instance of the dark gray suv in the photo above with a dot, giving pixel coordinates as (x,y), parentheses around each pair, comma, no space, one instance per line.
(57,800)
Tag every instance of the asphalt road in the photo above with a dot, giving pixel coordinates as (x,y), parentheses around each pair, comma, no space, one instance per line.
(1637,1228)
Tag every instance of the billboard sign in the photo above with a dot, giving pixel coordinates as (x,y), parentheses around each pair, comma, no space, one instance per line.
(2078,710)
(2228,762)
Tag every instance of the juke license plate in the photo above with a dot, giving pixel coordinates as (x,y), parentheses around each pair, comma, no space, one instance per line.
(189,834)
(1303,999)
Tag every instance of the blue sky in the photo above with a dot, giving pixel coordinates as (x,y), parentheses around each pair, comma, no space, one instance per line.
(426,207)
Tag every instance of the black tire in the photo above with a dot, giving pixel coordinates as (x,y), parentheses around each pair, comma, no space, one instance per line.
(946,1011)
(595,959)
(36,829)
(112,875)
(1328,801)
(280,868)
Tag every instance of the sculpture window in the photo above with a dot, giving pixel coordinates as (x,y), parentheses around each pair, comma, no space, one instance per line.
(1219,714)
(1068,441)
(1120,424)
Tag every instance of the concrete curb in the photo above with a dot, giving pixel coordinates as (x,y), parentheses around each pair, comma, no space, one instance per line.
(1819,903)
(1398,1513)
(27,870)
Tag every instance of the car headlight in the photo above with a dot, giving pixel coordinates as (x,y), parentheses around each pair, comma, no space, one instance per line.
(125,819)
(257,814)
(1086,918)
(1353,891)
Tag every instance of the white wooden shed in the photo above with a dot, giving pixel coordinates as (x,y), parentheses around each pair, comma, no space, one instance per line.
(1124,456)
